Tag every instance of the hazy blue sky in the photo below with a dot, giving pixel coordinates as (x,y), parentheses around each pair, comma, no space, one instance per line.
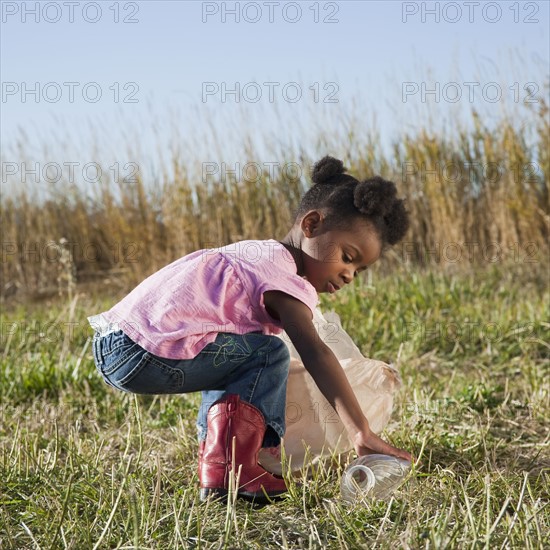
(162,61)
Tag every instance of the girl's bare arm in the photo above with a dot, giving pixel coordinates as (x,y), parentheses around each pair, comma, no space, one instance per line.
(326,371)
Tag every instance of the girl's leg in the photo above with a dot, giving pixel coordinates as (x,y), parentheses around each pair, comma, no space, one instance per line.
(250,371)
(253,366)
(259,377)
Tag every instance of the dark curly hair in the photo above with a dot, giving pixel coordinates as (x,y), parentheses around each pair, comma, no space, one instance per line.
(345,199)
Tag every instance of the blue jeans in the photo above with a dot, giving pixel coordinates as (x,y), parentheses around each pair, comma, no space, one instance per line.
(254,366)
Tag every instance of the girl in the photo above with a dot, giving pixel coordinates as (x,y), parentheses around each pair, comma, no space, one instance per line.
(206,322)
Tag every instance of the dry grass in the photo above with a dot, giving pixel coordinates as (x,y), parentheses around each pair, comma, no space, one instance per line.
(480,196)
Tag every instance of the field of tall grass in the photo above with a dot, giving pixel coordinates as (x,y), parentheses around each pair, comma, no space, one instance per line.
(461,308)
(478,196)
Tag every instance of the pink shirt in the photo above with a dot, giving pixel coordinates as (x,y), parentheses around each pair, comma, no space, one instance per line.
(181,308)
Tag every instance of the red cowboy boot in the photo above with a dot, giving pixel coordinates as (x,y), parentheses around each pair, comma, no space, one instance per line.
(201,452)
(230,418)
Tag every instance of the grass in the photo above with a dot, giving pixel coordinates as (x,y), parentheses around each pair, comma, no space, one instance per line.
(84,466)
(461,308)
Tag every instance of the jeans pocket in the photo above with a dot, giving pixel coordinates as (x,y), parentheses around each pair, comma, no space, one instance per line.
(114,345)
(149,375)
(120,357)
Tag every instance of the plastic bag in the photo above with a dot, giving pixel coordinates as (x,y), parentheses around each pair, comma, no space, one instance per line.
(311,422)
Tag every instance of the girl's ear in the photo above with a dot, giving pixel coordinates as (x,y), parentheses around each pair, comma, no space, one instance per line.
(311,223)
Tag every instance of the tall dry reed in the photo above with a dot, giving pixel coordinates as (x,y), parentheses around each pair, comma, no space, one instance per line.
(481,193)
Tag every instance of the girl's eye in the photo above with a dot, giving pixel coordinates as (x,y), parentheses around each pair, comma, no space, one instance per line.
(347,259)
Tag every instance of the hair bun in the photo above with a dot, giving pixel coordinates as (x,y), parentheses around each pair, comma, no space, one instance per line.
(375,196)
(397,222)
(326,169)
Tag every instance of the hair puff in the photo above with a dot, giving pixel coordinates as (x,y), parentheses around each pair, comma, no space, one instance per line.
(375,196)
(397,222)
(326,169)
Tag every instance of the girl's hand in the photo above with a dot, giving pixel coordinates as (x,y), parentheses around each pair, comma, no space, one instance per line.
(367,442)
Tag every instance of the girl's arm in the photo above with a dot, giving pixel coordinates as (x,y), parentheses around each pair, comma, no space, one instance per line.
(326,371)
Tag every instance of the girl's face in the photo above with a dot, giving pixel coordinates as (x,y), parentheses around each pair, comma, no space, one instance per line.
(331,258)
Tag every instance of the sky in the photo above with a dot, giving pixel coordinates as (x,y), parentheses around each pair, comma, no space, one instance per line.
(96,81)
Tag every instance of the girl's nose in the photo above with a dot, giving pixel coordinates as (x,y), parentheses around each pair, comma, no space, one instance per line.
(347,275)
